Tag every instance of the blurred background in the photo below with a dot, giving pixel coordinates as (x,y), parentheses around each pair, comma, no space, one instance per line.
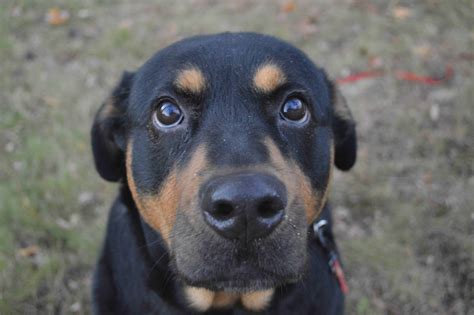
(404,216)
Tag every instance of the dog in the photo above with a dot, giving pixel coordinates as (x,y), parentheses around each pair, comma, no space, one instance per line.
(223,146)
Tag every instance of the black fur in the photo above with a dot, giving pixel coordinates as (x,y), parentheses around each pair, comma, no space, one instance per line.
(107,134)
(137,272)
(344,134)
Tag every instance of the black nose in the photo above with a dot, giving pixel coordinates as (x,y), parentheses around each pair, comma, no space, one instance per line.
(243,206)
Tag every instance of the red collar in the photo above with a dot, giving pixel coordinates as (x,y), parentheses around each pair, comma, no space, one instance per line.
(320,228)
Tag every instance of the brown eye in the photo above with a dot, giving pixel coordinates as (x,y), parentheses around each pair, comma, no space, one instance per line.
(294,109)
(167,115)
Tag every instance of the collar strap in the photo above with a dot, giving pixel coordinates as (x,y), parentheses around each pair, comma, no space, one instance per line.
(320,229)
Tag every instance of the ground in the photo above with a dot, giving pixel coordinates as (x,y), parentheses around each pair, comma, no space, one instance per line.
(404,215)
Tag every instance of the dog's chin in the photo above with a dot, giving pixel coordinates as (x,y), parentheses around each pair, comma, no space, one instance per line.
(241,280)
(218,264)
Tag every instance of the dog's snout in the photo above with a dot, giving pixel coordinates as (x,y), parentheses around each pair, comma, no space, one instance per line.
(244,206)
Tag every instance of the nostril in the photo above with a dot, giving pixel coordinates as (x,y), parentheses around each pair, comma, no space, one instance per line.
(269,207)
(223,210)
(243,206)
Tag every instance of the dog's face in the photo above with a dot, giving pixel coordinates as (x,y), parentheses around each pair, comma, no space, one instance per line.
(226,143)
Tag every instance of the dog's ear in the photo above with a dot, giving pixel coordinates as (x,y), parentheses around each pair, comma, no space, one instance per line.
(343,125)
(108,134)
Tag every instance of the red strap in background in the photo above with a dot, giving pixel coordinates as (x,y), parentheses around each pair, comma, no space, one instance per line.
(400,75)
(410,76)
(359,76)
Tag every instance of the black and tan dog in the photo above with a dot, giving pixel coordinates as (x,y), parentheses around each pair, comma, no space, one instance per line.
(224,146)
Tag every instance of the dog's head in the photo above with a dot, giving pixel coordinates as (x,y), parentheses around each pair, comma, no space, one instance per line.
(226,143)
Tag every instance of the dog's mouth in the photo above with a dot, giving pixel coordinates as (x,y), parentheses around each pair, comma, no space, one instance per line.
(242,279)
(219,265)
(246,285)
(205,260)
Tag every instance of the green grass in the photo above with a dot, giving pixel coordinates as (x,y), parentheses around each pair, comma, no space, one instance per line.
(403,216)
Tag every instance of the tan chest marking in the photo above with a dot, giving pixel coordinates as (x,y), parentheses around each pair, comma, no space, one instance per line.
(203,299)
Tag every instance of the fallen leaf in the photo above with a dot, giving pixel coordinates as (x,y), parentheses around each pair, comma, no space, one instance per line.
(28,251)
(401,12)
(288,7)
(56,16)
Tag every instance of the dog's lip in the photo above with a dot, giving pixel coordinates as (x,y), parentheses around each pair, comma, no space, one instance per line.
(239,285)
(237,282)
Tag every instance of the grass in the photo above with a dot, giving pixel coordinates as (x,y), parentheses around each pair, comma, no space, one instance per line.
(403,216)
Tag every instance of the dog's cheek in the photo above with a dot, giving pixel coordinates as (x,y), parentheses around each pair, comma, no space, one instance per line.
(313,199)
(298,184)
(310,198)
(190,178)
(158,210)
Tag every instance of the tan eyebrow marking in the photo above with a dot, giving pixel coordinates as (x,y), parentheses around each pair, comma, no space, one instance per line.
(191,80)
(268,77)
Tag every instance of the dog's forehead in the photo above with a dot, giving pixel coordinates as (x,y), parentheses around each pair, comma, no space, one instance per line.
(226,68)
(235,56)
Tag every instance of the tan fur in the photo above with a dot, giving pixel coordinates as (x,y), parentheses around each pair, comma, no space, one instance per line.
(225,299)
(268,78)
(258,300)
(180,187)
(190,177)
(202,299)
(159,210)
(298,185)
(199,298)
(191,80)
(312,204)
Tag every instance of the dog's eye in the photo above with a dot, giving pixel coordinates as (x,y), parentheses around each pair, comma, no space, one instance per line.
(167,115)
(294,109)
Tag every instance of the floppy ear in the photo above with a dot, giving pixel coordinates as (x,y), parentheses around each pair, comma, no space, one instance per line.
(108,134)
(343,125)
